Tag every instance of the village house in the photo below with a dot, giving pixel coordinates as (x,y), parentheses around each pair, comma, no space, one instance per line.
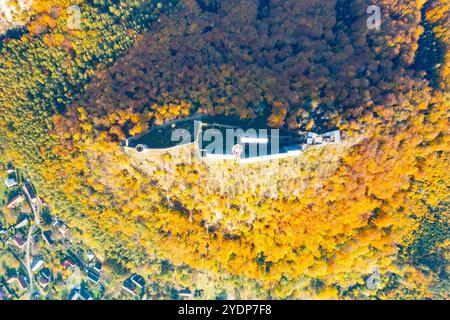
(11,278)
(43,202)
(22,222)
(185,294)
(47,235)
(199,293)
(134,284)
(60,226)
(10,182)
(90,255)
(138,280)
(74,294)
(15,202)
(18,241)
(45,277)
(37,264)
(130,287)
(93,275)
(30,191)
(67,263)
(11,169)
(43,282)
(97,266)
(80,294)
(23,282)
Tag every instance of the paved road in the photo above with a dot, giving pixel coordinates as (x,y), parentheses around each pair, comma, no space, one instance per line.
(37,212)
(27,258)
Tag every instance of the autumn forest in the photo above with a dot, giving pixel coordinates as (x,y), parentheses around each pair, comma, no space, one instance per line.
(314,227)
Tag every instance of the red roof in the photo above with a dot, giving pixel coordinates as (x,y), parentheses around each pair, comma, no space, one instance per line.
(67,263)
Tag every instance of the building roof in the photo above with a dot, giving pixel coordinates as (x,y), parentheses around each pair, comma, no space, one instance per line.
(67,263)
(62,228)
(138,280)
(185,292)
(90,255)
(98,265)
(15,201)
(93,275)
(23,281)
(324,139)
(10,182)
(37,264)
(48,236)
(334,136)
(74,294)
(199,293)
(45,277)
(80,294)
(44,281)
(18,240)
(129,286)
(85,294)
(30,189)
(22,223)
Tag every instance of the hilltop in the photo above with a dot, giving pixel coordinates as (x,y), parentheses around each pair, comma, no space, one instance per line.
(315,226)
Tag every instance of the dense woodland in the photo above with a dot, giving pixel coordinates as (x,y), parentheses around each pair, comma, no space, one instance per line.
(69,96)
